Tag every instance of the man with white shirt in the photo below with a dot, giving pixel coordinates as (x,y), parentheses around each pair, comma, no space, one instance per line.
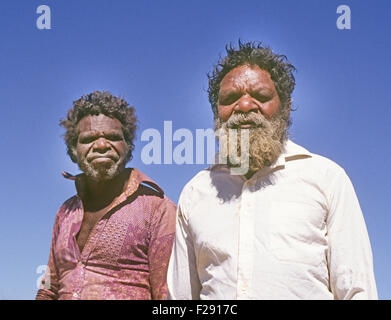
(291,226)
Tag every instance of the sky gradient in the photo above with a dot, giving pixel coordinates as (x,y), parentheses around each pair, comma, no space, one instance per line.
(156,55)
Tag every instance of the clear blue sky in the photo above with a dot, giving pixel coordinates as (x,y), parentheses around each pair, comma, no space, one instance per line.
(156,54)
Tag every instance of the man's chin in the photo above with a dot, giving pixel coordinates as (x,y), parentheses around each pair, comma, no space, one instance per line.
(101,173)
(101,176)
(262,151)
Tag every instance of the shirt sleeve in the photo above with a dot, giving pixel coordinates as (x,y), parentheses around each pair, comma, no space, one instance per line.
(183,281)
(160,245)
(48,289)
(349,255)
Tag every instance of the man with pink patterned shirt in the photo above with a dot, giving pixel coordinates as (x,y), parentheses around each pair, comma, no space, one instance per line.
(113,239)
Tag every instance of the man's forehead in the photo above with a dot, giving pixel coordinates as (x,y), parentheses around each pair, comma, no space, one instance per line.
(246,74)
(98,122)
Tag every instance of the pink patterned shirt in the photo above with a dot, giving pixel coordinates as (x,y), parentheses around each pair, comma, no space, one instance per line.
(126,254)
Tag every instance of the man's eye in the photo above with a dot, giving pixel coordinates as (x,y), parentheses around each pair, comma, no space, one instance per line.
(114,137)
(229,99)
(260,97)
(86,140)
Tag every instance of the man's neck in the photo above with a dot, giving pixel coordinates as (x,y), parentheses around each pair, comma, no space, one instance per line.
(100,194)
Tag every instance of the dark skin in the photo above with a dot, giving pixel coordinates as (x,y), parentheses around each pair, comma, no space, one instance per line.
(248,89)
(102,145)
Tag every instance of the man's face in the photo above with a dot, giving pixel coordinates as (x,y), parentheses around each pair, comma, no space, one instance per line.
(247,89)
(101,148)
(249,100)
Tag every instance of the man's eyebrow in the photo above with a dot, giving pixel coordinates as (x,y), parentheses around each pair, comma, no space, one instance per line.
(230,90)
(99,131)
(114,132)
(261,88)
(89,133)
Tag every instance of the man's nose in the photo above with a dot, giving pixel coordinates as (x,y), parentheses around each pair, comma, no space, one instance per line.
(101,145)
(245,105)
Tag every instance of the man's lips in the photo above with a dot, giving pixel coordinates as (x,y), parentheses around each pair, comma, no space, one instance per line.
(103,158)
(245,125)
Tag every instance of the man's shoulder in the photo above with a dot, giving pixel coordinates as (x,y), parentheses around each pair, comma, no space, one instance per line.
(72,203)
(69,206)
(200,180)
(152,193)
(324,165)
(322,171)
(139,180)
(316,162)
(204,187)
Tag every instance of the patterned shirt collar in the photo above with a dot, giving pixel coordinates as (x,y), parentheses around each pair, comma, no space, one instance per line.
(136,177)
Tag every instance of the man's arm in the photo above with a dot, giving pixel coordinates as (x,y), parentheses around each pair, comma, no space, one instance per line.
(182,278)
(49,285)
(349,255)
(160,245)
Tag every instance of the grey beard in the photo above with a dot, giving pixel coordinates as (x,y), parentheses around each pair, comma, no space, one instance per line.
(102,173)
(266,138)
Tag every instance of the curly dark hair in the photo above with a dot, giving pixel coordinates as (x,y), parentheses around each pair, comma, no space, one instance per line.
(254,53)
(93,104)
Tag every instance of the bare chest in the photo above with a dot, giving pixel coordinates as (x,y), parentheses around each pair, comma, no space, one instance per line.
(90,219)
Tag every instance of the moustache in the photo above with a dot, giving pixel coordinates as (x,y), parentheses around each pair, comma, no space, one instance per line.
(254,120)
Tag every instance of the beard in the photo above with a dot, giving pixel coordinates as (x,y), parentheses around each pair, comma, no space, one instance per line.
(101,172)
(265,139)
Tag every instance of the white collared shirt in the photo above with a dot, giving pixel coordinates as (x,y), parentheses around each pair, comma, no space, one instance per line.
(294,230)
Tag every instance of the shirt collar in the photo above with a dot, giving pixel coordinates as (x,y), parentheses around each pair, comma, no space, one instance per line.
(291,151)
(136,178)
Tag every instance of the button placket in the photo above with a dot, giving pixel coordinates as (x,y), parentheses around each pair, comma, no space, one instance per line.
(246,236)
